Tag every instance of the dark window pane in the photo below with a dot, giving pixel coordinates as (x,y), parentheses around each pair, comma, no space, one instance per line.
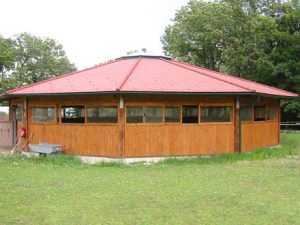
(134,114)
(154,114)
(103,114)
(72,114)
(172,114)
(43,114)
(216,114)
(271,113)
(246,113)
(190,114)
(19,113)
(259,113)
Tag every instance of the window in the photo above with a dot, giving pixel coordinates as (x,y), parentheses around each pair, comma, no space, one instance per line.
(19,113)
(102,114)
(271,113)
(72,114)
(43,114)
(246,114)
(153,114)
(134,114)
(190,114)
(216,114)
(172,114)
(259,113)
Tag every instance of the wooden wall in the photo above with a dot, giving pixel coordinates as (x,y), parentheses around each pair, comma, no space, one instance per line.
(171,140)
(80,139)
(6,129)
(141,140)
(179,139)
(257,134)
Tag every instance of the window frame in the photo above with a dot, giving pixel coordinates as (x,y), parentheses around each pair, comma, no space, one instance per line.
(22,113)
(198,114)
(276,112)
(101,123)
(72,105)
(252,114)
(145,114)
(232,114)
(43,106)
(180,114)
(260,106)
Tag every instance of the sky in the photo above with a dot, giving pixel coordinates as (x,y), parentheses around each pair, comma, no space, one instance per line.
(92,31)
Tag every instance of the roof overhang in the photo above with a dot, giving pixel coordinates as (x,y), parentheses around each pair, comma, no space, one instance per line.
(6,97)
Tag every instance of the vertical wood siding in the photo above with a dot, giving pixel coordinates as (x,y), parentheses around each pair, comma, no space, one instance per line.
(171,140)
(179,139)
(93,140)
(259,134)
(6,129)
(138,140)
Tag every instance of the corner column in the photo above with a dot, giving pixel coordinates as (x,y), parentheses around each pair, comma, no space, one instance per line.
(121,127)
(25,122)
(238,126)
(279,121)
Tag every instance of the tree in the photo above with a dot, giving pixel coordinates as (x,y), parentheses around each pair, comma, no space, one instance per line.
(6,56)
(200,32)
(253,39)
(35,59)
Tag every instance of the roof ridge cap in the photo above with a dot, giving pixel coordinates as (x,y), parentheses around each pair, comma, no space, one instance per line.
(239,78)
(129,74)
(216,78)
(58,77)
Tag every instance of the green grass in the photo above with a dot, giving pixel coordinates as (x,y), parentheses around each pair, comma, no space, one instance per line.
(261,187)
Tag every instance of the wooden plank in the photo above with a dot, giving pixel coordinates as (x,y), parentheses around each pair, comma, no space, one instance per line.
(93,140)
(133,140)
(259,134)
(6,134)
(81,139)
(177,139)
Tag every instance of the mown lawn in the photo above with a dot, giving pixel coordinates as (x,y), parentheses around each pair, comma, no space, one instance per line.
(261,187)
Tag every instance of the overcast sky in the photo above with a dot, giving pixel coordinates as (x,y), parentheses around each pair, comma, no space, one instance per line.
(92,31)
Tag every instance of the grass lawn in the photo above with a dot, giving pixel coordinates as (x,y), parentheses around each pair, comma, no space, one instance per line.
(262,187)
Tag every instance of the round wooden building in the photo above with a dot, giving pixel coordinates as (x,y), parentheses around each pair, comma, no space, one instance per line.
(141,106)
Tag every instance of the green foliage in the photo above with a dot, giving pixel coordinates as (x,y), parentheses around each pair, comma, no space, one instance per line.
(253,39)
(7,52)
(32,59)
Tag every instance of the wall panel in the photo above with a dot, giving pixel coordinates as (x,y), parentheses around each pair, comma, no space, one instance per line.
(259,134)
(171,140)
(93,140)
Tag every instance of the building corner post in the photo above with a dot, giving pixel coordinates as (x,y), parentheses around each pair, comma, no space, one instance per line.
(121,127)
(238,126)
(26,118)
(279,121)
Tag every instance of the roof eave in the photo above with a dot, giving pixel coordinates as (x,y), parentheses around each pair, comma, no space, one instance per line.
(8,96)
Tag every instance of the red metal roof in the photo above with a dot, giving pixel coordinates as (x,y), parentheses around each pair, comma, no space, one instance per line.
(147,74)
